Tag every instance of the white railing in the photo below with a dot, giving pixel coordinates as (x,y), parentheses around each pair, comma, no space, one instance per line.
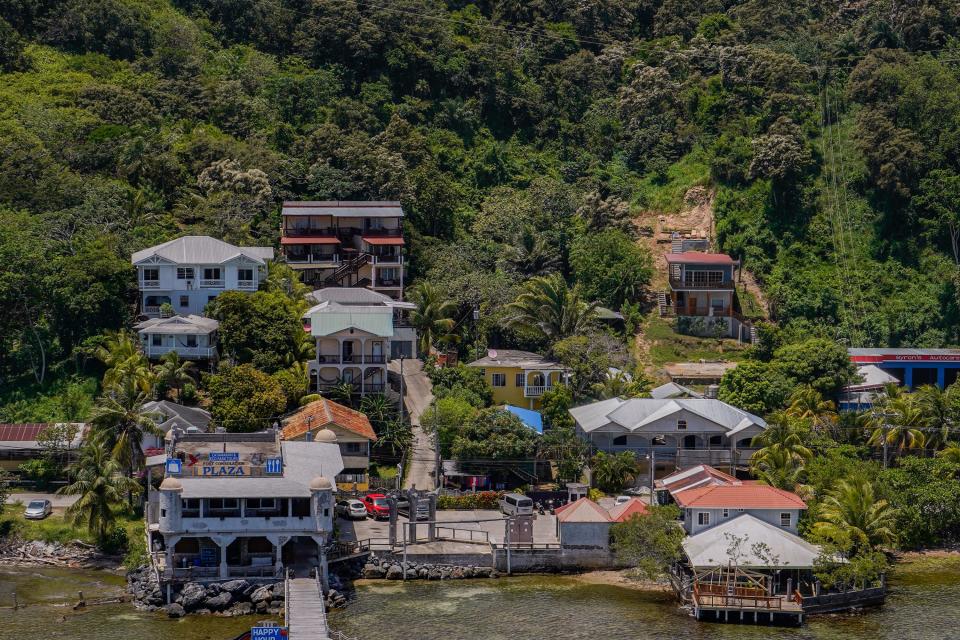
(245,284)
(398,259)
(204,352)
(150,309)
(149,284)
(536,391)
(211,284)
(331,259)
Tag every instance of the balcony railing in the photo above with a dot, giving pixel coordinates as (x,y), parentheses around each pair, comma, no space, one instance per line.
(374,359)
(151,309)
(212,284)
(149,284)
(299,232)
(328,359)
(704,311)
(387,259)
(677,283)
(536,391)
(314,258)
(386,284)
(246,284)
(152,351)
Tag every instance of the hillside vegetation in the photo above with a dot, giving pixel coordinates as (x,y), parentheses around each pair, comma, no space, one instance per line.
(519,136)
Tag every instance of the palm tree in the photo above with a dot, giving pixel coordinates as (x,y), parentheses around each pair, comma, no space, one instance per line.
(783,434)
(101,484)
(807,403)
(432,317)
(121,423)
(531,255)
(121,354)
(852,515)
(941,410)
(622,385)
(612,472)
(950,452)
(171,373)
(550,308)
(342,392)
(379,409)
(778,468)
(902,428)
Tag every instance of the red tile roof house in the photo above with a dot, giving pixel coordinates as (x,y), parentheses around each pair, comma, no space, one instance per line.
(354,433)
(702,290)
(707,506)
(585,525)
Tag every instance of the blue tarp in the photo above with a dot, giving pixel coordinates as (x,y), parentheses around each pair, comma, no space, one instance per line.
(531,418)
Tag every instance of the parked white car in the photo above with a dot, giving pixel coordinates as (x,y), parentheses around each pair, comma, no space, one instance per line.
(351,509)
(38,509)
(622,499)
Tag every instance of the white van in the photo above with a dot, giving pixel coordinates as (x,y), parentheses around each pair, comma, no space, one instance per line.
(515,504)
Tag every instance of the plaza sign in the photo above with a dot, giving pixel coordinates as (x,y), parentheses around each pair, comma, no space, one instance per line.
(231,470)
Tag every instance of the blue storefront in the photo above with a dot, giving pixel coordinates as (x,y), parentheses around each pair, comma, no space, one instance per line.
(913,367)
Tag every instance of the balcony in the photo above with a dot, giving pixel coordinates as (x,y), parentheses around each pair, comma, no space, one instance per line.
(300,232)
(191,352)
(371,359)
(149,284)
(332,259)
(248,285)
(679,285)
(328,359)
(211,284)
(387,259)
(213,522)
(387,284)
(536,391)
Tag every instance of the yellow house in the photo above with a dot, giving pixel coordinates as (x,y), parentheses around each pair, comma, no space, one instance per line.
(519,378)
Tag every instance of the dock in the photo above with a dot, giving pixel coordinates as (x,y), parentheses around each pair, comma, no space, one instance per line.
(306,614)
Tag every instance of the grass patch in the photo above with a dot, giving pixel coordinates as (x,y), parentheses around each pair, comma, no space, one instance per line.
(666,345)
(665,193)
(750,307)
(53,528)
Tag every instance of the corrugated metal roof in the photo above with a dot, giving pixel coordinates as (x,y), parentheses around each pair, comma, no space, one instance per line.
(709,548)
(184,325)
(344,208)
(636,413)
(372,321)
(515,358)
(583,510)
(673,390)
(697,257)
(202,250)
(185,416)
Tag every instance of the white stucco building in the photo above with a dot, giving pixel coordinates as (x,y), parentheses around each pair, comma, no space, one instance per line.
(189,272)
(192,337)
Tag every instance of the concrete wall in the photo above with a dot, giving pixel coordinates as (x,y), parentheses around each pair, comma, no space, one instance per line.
(595,534)
(553,560)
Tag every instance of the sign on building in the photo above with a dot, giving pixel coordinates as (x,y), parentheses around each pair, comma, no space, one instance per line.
(174,467)
(274,466)
(222,470)
(226,456)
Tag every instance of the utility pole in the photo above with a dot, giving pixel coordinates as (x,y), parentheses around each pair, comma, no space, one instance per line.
(402,358)
(653,472)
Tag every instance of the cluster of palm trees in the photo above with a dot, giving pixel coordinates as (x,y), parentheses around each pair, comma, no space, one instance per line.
(112,456)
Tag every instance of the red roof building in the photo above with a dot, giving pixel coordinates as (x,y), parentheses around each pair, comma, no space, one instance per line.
(707,506)
(702,286)
(354,433)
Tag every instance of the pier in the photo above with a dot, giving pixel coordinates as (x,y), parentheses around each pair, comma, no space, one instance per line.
(306,614)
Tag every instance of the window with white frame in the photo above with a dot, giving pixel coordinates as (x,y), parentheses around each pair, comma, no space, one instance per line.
(498,380)
(681,425)
(786,519)
(151,274)
(703,518)
(184,273)
(726,513)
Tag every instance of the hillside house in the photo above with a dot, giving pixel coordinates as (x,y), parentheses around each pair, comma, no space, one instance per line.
(346,244)
(680,431)
(357,331)
(354,432)
(189,272)
(520,378)
(192,337)
(702,293)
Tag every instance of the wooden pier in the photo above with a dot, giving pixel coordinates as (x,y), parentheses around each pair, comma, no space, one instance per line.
(730,594)
(306,614)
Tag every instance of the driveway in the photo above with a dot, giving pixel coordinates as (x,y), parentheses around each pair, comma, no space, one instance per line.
(417,396)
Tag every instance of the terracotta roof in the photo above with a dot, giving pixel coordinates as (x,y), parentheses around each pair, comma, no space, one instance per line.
(696,257)
(385,240)
(742,496)
(582,510)
(323,413)
(623,512)
(698,476)
(309,240)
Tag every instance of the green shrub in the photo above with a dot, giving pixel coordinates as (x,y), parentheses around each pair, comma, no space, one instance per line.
(480,500)
(116,541)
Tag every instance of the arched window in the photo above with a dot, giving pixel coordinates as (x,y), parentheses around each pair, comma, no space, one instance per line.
(620,441)
(537,380)
(690,442)
(716,441)
(744,443)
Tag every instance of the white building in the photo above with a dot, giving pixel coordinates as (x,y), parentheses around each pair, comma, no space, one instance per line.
(762,546)
(189,272)
(357,331)
(242,505)
(687,431)
(192,337)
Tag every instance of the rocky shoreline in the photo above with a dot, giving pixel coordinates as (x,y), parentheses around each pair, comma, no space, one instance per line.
(388,568)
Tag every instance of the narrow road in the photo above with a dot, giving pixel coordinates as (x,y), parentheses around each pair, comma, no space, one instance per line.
(422,462)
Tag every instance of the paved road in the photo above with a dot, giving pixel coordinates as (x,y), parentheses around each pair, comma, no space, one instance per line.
(422,465)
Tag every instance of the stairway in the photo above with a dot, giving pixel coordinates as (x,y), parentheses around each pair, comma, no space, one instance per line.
(676,245)
(348,268)
(662,302)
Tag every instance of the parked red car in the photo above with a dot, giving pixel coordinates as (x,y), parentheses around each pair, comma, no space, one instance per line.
(376,504)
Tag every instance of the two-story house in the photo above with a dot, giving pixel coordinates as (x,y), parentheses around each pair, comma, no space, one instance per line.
(241,505)
(346,244)
(708,506)
(354,433)
(702,292)
(357,331)
(189,272)
(192,337)
(680,431)
(519,378)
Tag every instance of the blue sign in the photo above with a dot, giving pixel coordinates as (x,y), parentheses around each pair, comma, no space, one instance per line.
(224,457)
(268,633)
(208,557)
(274,465)
(174,467)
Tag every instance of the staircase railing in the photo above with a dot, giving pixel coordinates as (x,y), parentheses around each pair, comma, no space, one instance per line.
(349,267)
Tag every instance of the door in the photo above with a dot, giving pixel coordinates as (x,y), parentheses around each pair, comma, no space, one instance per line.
(690,442)
(377,352)
(691,306)
(348,351)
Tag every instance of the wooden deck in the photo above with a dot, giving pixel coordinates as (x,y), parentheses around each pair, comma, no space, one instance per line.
(306,615)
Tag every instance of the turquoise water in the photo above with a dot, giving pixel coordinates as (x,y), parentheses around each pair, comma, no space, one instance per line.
(924,604)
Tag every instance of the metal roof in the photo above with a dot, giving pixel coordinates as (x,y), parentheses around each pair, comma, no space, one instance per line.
(515,358)
(636,413)
(202,250)
(186,325)
(356,296)
(673,390)
(184,416)
(738,496)
(697,257)
(344,208)
(709,548)
(372,320)
(24,435)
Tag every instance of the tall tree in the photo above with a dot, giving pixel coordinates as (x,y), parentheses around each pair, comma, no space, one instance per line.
(100,484)
(121,423)
(433,317)
(547,307)
(854,518)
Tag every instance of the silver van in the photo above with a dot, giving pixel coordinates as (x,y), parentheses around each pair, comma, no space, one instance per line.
(515,504)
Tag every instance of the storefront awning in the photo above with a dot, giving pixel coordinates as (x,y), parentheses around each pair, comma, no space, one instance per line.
(309,240)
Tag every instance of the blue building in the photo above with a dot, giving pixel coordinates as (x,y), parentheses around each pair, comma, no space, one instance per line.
(913,367)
